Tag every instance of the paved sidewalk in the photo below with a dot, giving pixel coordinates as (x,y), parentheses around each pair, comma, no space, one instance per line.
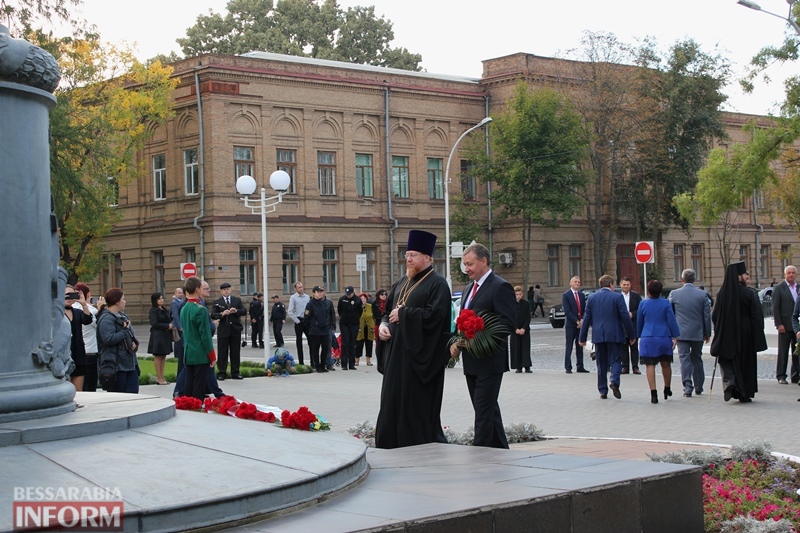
(559,404)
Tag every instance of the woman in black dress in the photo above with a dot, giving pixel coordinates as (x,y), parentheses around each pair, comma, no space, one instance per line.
(77,319)
(521,336)
(160,344)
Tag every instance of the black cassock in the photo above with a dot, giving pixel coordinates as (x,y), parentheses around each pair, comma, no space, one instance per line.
(521,344)
(414,363)
(738,336)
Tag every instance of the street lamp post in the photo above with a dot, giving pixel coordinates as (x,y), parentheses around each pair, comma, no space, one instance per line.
(448,251)
(246,185)
(788,19)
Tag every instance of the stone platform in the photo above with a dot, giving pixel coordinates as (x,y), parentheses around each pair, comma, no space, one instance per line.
(192,471)
(175,472)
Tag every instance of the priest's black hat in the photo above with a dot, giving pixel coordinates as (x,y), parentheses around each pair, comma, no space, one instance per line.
(421,241)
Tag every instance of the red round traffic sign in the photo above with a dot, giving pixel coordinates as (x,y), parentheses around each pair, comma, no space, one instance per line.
(643,252)
(188,270)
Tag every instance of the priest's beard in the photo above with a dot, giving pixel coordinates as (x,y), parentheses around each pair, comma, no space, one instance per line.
(413,269)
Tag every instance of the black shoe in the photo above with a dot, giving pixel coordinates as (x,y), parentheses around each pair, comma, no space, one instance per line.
(667,393)
(615,390)
(528,371)
(625,371)
(345,368)
(351,368)
(570,371)
(745,400)
(637,371)
(728,394)
(689,395)
(237,376)
(605,397)
(330,368)
(582,371)
(654,396)
(254,346)
(783,381)
(221,376)
(518,371)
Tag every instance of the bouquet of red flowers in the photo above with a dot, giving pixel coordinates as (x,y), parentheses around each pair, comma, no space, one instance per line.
(304,419)
(188,403)
(481,333)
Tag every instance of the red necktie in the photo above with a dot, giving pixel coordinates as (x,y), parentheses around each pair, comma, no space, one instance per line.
(472,296)
(578,303)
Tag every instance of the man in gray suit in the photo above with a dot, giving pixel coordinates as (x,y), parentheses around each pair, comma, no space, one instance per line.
(693,313)
(784,295)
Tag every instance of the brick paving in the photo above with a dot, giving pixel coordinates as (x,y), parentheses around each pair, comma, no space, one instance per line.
(560,405)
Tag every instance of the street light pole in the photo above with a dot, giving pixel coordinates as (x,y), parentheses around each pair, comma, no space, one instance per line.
(447,250)
(788,19)
(246,185)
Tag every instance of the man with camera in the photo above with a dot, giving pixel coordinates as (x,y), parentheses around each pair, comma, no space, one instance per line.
(228,310)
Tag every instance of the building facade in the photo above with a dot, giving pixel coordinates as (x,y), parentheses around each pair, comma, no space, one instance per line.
(367,151)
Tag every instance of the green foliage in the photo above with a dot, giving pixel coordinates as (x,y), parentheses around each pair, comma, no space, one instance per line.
(752,492)
(537,145)
(308,28)
(685,91)
(107,104)
(27,17)
(515,433)
(466,225)
(729,178)
(754,449)
(708,459)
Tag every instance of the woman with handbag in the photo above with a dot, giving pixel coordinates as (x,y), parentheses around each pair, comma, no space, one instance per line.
(160,343)
(117,345)
(366,329)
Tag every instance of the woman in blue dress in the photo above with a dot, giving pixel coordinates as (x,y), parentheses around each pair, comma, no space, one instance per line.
(658,334)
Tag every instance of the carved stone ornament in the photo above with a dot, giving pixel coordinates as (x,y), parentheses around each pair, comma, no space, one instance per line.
(27,64)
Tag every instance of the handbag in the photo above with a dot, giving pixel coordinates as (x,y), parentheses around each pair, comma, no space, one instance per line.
(108,374)
(176,335)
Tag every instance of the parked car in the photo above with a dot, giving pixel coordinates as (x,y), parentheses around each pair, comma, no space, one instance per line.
(557,316)
(765,295)
(557,312)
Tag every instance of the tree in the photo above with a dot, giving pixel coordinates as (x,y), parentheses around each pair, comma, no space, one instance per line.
(607,100)
(685,91)
(724,184)
(652,119)
(307,28)
(537,146)
(107,102)
(777,142)
(27,17)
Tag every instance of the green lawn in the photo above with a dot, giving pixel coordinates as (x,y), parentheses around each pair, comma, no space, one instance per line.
(248,369)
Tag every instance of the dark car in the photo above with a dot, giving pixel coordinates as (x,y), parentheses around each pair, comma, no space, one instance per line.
(557,312)
(557,316)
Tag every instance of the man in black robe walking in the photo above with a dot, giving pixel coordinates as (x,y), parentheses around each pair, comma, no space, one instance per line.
(415,330)
(738,334)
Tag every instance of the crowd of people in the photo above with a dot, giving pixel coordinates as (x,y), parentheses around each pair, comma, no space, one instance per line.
(409,330)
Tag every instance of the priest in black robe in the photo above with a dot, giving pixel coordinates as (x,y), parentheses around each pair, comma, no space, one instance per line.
(738,334)
(415,329)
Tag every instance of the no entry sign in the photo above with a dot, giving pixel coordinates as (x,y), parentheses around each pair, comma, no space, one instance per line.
(644,252)
(188,270)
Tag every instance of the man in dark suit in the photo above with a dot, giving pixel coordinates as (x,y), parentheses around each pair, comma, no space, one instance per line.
(611,325)
(630,351)
(487,292)
(784,296)
(228,310)
(573,301)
